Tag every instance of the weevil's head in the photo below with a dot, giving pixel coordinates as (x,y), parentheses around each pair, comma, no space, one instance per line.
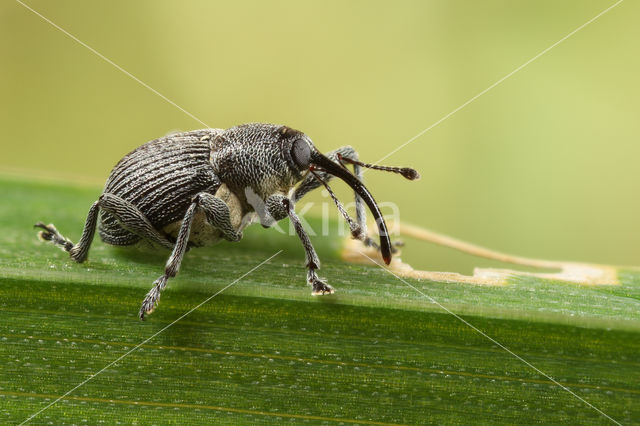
(303,156)
(270,159)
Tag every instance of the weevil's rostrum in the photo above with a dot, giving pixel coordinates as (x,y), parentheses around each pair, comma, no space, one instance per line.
(196,188)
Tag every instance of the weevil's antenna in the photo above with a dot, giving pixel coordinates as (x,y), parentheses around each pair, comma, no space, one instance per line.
(317,159)
(356,230)
(407,172)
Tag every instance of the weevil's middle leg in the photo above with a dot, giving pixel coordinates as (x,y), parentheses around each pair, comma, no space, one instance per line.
(217,213)
(173,263)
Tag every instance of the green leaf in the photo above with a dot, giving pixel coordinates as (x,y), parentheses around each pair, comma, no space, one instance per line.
(265,350)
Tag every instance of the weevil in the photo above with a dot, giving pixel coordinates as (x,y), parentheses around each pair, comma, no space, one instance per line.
(195,188)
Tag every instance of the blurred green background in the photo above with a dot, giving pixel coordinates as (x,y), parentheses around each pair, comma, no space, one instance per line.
(543,165)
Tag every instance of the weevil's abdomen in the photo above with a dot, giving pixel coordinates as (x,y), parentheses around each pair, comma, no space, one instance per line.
(160,178)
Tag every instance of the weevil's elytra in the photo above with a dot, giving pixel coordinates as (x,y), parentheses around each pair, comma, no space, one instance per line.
(197,188)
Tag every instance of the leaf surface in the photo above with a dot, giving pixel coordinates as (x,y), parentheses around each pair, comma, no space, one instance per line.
(265,350)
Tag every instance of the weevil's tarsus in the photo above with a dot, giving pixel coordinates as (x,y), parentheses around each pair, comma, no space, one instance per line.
(51,234)
(153,296)
(319,286)
(77,252)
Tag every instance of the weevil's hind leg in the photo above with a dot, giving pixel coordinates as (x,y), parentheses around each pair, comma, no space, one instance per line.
(132,219)
(318,286)
(77,252)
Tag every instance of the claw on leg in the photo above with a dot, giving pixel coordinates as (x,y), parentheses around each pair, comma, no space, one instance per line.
(319,287)
(50,233)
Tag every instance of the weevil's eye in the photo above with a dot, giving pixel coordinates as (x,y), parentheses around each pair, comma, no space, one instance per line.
(301,153)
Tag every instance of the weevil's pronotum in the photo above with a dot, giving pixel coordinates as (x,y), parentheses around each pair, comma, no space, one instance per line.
(195,188)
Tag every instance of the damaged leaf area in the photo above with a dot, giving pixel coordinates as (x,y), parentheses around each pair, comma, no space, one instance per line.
(586,274)
(381,350)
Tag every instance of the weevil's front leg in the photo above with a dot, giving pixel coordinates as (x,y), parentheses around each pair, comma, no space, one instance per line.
(78,252)
(313,263)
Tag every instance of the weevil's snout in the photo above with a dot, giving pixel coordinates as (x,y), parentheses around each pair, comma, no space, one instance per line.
(324,163)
